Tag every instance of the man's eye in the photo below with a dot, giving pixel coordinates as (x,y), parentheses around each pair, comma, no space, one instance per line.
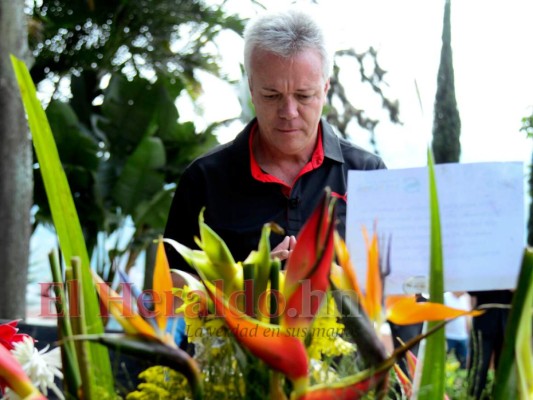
(304,97)
(270,96)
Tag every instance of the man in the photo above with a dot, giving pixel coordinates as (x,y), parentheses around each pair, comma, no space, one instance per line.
(276,169)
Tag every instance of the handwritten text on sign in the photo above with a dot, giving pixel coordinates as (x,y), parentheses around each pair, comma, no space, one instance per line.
(482,221)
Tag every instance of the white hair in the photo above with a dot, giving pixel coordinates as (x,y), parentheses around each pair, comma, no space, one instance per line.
(286,33)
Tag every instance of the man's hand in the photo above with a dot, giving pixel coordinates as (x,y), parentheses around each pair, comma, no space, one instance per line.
(283,250)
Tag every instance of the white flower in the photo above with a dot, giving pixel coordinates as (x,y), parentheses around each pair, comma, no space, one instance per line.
(41,366)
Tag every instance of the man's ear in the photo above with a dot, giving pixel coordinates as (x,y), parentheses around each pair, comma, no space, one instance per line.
(250,85)
(326,87)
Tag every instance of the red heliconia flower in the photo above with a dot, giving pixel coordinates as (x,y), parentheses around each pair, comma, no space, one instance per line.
(307,277)
(345,390)
(271,343)
(9,334)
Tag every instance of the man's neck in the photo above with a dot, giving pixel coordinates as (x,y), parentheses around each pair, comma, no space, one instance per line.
(282,166)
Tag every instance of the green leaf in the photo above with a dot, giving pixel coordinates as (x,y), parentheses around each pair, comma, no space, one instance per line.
(514,372)
(128,111)
(183,145)
(524,354)
(166,113)
(359,327)
(216,250)
(75,146)
(198,260)
(70,366)
(263,260)
(432,382)
(154,212)
(275,267)
(65,219)
(79,156)
(140,178)
(261,263)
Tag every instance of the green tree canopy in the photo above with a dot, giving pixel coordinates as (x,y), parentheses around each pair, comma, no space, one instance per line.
(120,65)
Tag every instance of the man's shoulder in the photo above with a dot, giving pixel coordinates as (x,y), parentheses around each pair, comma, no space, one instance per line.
(219,160)
(217,152)
(352,155)
(234,151)
(357,157)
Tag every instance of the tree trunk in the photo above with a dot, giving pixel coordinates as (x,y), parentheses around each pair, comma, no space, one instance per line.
(16,182)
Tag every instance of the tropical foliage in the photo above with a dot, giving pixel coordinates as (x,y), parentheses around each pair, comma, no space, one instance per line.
(72,244)
(115,69)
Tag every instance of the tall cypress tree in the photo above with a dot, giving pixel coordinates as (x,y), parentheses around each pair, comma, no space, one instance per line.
(446,123)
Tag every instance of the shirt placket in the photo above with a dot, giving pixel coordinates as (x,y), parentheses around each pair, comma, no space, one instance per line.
(294,210)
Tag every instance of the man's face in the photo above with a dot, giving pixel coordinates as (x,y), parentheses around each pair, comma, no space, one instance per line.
(288,95)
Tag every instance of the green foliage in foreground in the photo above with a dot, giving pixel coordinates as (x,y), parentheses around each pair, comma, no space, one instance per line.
(115,69)
(66,222)
(163,383)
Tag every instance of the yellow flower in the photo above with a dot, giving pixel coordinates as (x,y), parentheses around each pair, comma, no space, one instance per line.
(326,334)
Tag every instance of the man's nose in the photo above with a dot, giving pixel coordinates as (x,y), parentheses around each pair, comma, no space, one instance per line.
(288,108)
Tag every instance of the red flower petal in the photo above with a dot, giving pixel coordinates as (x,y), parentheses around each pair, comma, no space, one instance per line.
(268,342)
(9,335)
(353,391)
(308,267)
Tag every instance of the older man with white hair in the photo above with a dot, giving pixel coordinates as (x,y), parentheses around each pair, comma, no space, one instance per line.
(277,168)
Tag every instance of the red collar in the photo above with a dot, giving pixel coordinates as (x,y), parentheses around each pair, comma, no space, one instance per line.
(317,158)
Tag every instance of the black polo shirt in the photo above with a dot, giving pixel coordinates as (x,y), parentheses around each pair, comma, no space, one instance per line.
(239,199)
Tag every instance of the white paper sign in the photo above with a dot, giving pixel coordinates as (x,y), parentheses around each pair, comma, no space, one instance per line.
(482,223)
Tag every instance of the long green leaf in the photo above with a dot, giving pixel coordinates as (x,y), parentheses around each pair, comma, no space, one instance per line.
(513,374)
(73,273)
(71,371)
(434,358)
(524,353)
(65,219)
